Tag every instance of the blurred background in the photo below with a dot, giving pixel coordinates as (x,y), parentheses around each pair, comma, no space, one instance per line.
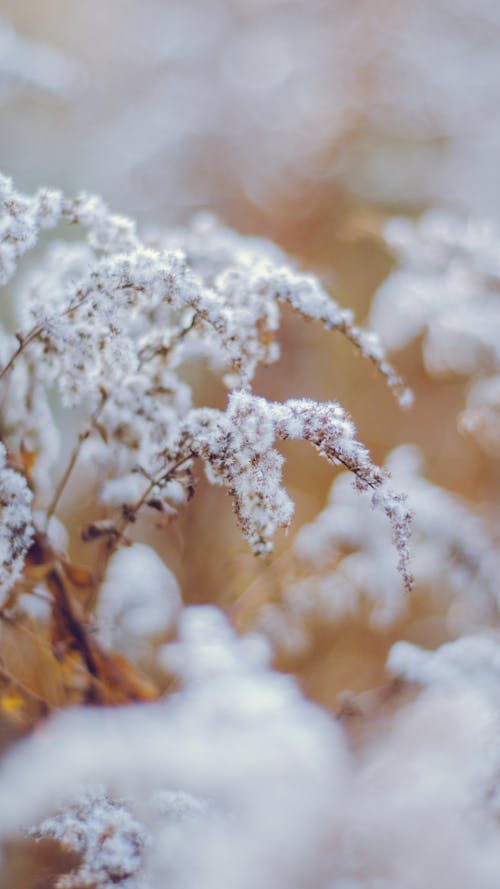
(310,122)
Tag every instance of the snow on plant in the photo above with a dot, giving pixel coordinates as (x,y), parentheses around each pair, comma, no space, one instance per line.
(213,775)
(16,523)
(124,618)
(342,562)
(110,324)
(234,778)
(468,661)
(446,288)
(429,780)
(107,836)
(238,780)
(106,327)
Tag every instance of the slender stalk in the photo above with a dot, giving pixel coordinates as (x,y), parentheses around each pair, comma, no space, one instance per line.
(84,434)
(128,516)
(36,331)
(23,342)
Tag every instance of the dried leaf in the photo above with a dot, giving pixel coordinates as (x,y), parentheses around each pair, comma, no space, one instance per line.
(78,575)
(12,702)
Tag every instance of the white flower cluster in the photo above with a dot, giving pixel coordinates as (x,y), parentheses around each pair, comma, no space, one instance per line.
(112,321)
(214,774)
(446,288)
(16,527)
(343,561)
(237,447)
(140,598)
(239,781)
(107,836)
(466,662)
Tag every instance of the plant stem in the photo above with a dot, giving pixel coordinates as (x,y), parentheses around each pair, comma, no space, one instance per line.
(128,516)
(84,434)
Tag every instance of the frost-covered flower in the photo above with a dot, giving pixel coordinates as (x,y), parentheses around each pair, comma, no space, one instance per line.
(111,323)
(238,449)
(109,839)
(237,779)
(16,527)
(139,599)
(446,288)
(343,560)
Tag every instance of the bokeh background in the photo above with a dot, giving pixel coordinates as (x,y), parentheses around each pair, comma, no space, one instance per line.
(307,121)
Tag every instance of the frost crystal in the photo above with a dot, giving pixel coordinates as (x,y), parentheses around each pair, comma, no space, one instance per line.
(238,781)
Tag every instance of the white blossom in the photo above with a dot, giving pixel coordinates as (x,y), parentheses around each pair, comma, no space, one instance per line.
(112,322)
(343,561)
(110,841)
(238,449)
(468,661)
(16,528)
(139,598)
(446,288)
(236,780)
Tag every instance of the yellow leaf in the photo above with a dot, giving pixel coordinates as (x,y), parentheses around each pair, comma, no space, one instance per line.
(12,702)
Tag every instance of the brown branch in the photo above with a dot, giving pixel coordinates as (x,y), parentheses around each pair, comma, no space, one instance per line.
(128,516)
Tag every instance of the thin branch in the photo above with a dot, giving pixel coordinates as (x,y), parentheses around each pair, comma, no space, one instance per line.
(23,342)
(128,516)
(83,436)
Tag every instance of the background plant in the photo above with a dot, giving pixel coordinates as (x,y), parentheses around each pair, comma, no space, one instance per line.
(306,717)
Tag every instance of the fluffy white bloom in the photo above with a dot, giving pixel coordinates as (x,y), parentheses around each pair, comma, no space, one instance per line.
(236,779)
(16,528)
(111,322)
(139,598)
(469,661)
(343,560)
(109,839)
(238,448)
(446,288)
(481,416)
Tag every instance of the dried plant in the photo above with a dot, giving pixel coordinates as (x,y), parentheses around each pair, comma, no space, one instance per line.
(106,328)
(209,676)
